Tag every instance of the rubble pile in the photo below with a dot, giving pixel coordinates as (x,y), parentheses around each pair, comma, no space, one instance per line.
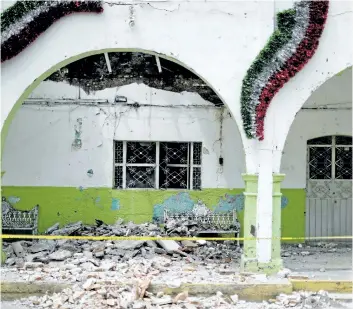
(103,295)
(189,227)
(45,251)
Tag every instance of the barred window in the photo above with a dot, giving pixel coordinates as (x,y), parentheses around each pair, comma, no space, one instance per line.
(158,165)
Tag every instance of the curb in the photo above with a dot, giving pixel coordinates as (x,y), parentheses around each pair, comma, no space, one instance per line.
(331,286)
(253,291)
(245,291)
(32,287)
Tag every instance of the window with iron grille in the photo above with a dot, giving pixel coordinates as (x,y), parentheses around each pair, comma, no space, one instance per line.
(157,165)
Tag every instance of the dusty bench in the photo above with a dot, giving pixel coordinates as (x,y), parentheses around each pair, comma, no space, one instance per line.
(209,223)
(18,221)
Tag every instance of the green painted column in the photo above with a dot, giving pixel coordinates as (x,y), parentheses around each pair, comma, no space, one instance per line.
(249,225)
(249,262)
(276,219)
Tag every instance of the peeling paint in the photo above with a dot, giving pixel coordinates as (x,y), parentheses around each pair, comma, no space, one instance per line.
(176,203)
(77,143)
(13,199)
(284,202)
(230,202)
(90,173)
(115,204)
(183,202)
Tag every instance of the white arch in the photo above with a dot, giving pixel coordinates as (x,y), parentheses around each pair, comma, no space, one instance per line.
(175,29)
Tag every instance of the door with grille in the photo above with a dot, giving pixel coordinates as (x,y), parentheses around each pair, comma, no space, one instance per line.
(329,186)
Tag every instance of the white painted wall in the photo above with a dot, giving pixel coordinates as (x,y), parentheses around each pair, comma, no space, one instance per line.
(38,148)
(216,39)
(309,124)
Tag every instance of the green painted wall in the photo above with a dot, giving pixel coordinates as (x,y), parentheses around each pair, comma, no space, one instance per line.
(65,204)
(293,217)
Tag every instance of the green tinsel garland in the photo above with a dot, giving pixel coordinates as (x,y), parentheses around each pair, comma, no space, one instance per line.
(286,23)
(17,11)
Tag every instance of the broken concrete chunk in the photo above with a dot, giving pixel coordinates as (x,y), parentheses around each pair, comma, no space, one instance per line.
(39,247)
(305,253)
(234,298)
(151,243)
(139,304)
(169,245)
(284,273)
(32,265)
(189,244)
(165,300)
(181,297)
(128,244)
(89,284)
(52,228)
(69,229)
(60,255)
(18,249)
(111,302)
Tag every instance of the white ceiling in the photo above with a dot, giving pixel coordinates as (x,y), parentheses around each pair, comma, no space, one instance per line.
(336,91)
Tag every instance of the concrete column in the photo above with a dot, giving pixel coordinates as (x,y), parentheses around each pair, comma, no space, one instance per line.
(263,256)
(276,219)
(249,225)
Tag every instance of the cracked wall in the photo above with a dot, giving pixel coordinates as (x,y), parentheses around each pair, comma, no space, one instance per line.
(81,179)
(79,134)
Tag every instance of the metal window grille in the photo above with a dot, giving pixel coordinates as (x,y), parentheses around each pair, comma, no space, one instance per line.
(157,165)
(330,157)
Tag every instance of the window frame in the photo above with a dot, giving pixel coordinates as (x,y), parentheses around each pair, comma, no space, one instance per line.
(191,167)
(316,143)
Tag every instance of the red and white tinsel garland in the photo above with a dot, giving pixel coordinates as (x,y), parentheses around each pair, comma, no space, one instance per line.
(310,18)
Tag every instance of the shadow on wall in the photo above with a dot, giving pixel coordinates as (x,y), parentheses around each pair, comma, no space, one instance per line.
(182,202)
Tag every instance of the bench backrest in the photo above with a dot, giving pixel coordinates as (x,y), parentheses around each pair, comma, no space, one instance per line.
(13,219)
(222,220)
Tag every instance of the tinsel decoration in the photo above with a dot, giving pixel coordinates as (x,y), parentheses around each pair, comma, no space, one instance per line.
(287,51)
(24,21)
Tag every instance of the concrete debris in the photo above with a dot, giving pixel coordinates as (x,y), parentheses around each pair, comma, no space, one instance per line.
(305,253)
(18,249)
(284,273)
(46,251)
(181,297)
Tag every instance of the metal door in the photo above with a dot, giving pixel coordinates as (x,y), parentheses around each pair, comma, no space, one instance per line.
(329,187)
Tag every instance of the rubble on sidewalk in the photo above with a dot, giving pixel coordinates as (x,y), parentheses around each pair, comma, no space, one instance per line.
(46,251)
(102,295)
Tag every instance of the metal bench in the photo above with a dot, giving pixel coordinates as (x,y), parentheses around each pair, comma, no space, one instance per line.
(209,223)
(18,221)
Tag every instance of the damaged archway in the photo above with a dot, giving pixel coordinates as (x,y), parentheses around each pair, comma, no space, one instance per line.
(112,69)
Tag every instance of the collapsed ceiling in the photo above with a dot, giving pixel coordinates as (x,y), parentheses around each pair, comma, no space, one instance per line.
(92,74)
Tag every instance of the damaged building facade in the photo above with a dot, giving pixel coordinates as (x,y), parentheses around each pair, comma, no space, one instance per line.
(126,123)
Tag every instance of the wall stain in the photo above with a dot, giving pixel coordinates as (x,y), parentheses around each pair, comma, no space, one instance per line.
(177,203)
(115,204)
(77,143)
(284,202)
(13,200)
(230,202)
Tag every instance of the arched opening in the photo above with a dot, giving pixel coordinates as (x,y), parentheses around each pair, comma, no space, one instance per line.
(121,134)
(317,162)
